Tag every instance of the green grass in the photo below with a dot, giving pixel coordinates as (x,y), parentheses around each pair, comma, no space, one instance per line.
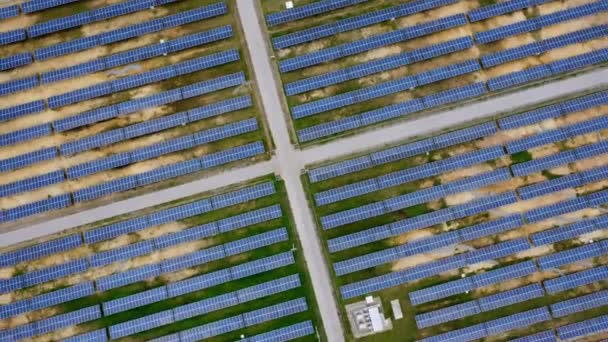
(521,157)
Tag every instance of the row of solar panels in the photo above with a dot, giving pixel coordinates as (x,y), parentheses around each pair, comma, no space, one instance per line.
(391,254)
(395,61)
(103,63)
(360,120)
(385,89)
(207,306)
(467,159)
(404,34)
(474,232)
(287,333)
(306,11)
(541,21)
(142,273)
(374,42)
(559,309)
(76,20)
(126,158)
(80,44)
(92,313)
(131,225)
(391,62)
(123,108)
(378,65)
(547,262)
(390,13)
(535,215)
(145,78)
(132,131)
(475,307)
(494,327)
(134,181)
(453,95)
(143,248)
(503,299)
(357,22)
(32,6)
(457,137)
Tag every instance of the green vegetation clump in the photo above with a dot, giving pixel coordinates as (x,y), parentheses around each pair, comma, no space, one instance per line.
(521,157)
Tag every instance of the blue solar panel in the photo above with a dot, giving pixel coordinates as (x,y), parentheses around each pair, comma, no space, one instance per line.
(135,300)
(376,66)
(288,333)
(128,277)
(507,298)
(560,208)
(471,333)
(88,168)
(498,250)
(60,24)
(564,232)
(16,61)
(122,253)
(104,189)
(18,85)
(545,336)
(455,95)
(579,304)
(167,172)
(243,195)
(578,62)
(232,154)
(262,265)
(14,36)
(200,38)
(193,259)
(344,50)
(141,324)
(580,329)
(91,142)
(338,169)
(31,184)
(21,110)
(107,12)
(509,272)
(205,306)
(25,134)
(37,207)
(43,249)
(115,229)
(256,241)
(206,331)
(198,283)
(39,5)
(352,215)
(275,311)
(226,131)
(249,218)
(450,313)
(309,10)
(547,187)
(518,320)
(441,291)
(573,280)
(93,336)
(354,23)
(519,77)
(62,296)
(68,319)
(544,163)
(9,11)
(501,8)
(218,108)
(569,256)
(80,95)
(66,48)
(55,272)
(268,288)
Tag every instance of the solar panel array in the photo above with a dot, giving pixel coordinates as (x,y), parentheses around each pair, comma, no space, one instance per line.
(494,327)
(583,328)
(539,22)
(337,74)
(149,296)
(344,50)
(305,11)
(576,279)
(356,22)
